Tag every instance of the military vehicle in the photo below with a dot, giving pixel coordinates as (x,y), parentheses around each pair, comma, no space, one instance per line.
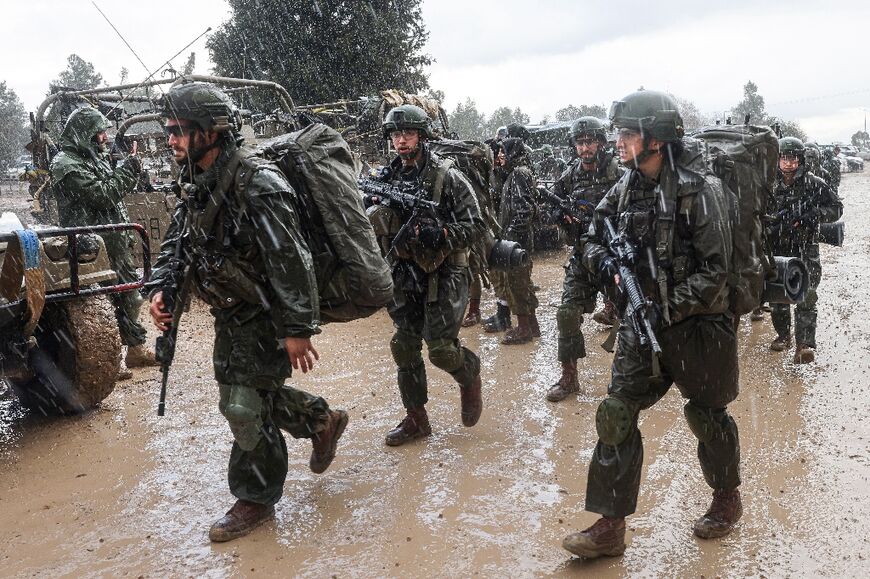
(59,345)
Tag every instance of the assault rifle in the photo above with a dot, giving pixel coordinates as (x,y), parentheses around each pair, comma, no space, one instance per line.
(577,209)
(407,200)
(626,257)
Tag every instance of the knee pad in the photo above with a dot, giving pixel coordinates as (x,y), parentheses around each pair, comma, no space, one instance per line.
(243,410)
(613,421)
(568,319)
(406,350)
(445,354)
(700,421)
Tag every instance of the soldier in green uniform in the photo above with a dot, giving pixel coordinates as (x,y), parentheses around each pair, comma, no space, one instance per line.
(238,228)
(90,192)
(550,167)
(501,319)
(516,212)
(832,164)
(689,246)
(430,275)
(801,201)
(814,162)
(589,176)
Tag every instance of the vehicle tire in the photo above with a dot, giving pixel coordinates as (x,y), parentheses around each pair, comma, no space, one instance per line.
(76,360)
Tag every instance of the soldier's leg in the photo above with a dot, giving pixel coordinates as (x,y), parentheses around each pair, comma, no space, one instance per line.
(780,317)
(523,303)
(119,249)
(718,445)
(475,291)
(806,314)
(614,471)
(406,346)
(501,320)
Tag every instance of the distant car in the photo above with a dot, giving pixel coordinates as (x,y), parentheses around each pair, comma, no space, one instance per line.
(854,163)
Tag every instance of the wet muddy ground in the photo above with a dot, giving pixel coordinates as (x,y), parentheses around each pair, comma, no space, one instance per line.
(121,492)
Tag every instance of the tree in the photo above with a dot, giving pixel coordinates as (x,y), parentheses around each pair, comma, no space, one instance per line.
(503,116)
(692,117)
(124,75)
(189,65)
(752,105)
(571,113)
(788,128)
(861,139)
(468,122)
(324,50)
(13,129)
(78,75)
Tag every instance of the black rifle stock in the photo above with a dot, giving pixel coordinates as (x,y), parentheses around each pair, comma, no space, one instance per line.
(406,200)
(626,257)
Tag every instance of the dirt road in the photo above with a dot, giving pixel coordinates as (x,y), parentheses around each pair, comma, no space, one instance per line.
(119,492)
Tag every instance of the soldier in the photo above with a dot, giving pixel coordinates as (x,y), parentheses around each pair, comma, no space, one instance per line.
(689,246)
(501,319)
(589,176)
(801,201)
(813,156)
(431,276)
(90,192)
(832,164)
(516,213)
(241,235)
(550,167)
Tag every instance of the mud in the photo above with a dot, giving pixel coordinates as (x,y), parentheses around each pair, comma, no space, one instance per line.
(119,492)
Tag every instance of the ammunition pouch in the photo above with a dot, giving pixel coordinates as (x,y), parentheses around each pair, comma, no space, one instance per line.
(222,284)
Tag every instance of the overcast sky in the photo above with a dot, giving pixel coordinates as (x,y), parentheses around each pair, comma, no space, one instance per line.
(808,58)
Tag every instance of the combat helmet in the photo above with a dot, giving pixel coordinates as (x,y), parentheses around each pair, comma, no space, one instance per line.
(408,117)
(588,126)
(791,146)
(649,112)
(547,151)
(204,104)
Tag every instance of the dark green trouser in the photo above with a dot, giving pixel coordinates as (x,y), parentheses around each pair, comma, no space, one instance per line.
(805,313)
(520,295)
(436,319)
(475,290)
(499,284)
(578,297)
(700,356)
(119,248)
(250,367)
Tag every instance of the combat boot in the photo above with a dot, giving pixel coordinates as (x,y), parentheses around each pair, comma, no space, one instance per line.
(140,357)
(241,519)
(124,373)
(415,425)
(522,334)
(605,538)
(498,322)
(607,315)
(567,383)
(804,354)
(781,343)
(472,402)
(757,314)
(720,518)
(324,442)
(472,317)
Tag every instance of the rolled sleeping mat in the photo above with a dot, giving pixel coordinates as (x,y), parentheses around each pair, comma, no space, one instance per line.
(506,255)
(832,233)
(791,283)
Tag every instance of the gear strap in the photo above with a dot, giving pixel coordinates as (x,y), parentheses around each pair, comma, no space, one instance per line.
(23,264)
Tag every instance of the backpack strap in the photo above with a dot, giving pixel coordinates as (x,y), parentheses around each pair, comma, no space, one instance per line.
(203,223)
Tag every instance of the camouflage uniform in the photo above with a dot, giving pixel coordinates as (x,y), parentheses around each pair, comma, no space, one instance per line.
(253,267)
(550,167)
(578,290)
(515,219)
(810,194)
(430,306)
(832,165)
(90,192)
(699,346)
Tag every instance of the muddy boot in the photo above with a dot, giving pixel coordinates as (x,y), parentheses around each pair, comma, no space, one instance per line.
(472,402)
(607,315)
(723,514)
(781,343)
(804,354)
(124,373)
(566,385)
(757,314)
(522,334)
(498,322)
(241,519)
(140,357)
(605,538)
(415,425)
(472,317)
(536,328)
(324,442)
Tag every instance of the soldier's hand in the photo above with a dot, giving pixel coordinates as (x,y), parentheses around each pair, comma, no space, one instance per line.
(161,318)
(135,148)
(301,353)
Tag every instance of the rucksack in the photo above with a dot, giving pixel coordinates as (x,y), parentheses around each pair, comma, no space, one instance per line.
(474,161)
(744,157)
(353,280)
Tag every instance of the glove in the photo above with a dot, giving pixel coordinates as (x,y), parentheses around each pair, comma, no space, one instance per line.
(606,270)
(432,237)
